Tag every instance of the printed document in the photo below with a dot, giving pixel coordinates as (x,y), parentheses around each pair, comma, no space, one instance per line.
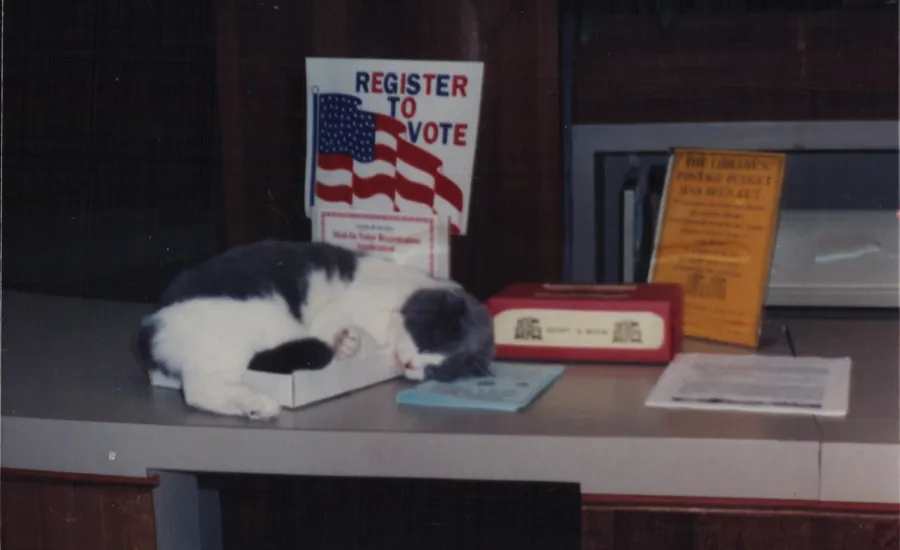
(755,383)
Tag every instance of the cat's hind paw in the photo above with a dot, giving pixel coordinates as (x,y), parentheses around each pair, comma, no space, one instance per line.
(347,343)
(256,406)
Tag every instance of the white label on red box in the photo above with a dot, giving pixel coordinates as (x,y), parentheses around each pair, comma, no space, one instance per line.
(418,241)
(565,328)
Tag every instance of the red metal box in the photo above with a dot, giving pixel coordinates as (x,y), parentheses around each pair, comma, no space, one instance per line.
(640,323)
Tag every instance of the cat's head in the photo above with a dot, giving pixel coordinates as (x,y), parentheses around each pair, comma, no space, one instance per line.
(444,334)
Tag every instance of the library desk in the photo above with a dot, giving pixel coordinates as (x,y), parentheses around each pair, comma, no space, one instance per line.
(95,457)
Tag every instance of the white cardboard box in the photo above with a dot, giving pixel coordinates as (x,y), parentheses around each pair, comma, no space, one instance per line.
(372,365)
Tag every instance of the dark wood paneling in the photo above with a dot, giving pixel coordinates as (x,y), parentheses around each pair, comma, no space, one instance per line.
(516,210)
(608,527)
(646,502)
(62,512)
(782,66)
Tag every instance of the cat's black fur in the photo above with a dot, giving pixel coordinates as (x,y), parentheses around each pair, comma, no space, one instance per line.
(306,354)
(260,268)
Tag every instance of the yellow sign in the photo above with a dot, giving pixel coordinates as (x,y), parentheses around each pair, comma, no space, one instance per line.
(715,237)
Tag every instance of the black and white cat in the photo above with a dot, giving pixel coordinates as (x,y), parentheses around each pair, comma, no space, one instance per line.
(278,306)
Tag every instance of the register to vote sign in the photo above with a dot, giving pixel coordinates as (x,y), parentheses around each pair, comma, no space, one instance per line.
(392,136)
(421,242)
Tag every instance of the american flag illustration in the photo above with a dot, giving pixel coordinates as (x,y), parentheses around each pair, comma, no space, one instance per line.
(361,154)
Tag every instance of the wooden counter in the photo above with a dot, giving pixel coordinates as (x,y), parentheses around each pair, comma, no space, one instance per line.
(74,401)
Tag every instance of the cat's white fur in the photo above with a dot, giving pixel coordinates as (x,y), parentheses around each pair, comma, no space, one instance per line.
(211,341)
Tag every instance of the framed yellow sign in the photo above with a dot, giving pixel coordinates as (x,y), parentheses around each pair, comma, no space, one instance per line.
(715,235)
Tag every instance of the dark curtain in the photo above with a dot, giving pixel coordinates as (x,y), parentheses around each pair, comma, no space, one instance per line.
(111,145)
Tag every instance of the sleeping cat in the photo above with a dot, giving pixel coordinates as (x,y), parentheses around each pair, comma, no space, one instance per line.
(278,306)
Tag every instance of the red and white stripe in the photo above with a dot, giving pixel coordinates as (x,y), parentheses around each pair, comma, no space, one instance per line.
(404,178)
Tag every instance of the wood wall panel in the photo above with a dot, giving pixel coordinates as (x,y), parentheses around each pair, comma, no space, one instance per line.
(608,527)
(40,511)
(781,66)
(516,210)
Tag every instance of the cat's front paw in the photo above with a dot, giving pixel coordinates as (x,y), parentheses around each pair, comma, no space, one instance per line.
(414,374)
(347,343)
(257,406)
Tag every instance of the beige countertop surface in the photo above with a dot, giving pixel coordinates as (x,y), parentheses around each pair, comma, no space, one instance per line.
(75,400)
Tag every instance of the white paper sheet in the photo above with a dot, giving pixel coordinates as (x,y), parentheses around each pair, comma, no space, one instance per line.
(421,242)
(755,383)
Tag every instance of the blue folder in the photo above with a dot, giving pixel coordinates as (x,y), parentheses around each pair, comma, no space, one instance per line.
(512,387)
